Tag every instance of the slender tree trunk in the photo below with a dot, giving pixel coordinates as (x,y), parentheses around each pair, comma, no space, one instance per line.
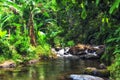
(8,34)
(31,30)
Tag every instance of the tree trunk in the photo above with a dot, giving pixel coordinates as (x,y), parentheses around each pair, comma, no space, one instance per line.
(31,30)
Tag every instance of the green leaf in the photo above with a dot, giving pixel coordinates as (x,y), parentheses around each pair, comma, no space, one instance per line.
(41,35)
(117,31)
(73,1)
(54,5)
(83,14)
(4,19)
(2,33)
(103,20)
(116,51)
(53,1)
(70,43)
(13,5)
(36,11)
(82,5)
(111,40)
(46,14)
(114,6)
(97,2)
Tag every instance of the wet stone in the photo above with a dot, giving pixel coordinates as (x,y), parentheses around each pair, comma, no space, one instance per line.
(84,77)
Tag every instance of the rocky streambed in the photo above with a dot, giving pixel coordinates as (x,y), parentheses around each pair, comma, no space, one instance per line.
(80,62)
(81,51)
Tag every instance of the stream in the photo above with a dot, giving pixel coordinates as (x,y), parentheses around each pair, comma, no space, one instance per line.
(48,70)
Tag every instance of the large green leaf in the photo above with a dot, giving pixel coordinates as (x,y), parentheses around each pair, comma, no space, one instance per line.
(13,5)
(83,14)
(97,2)
(41,35)
(4,18)
(54,5)
(114,6)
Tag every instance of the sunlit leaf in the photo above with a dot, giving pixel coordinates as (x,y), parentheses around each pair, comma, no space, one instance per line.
(97,2)
(107,20)
(36,11)
(103,20)
(114,6)
(41,35)
(2,33)
(83,14)
(82,5)
(73,1)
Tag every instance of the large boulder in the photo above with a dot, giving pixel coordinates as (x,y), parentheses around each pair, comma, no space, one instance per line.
(87,51)
(84,77)
(78,49)
(8,64)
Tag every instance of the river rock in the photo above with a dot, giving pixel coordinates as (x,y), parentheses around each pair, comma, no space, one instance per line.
(8,64)
(102,66)
(97,72)
(84,77)
(62,52)
(58,48)
(100,50)
(32,61)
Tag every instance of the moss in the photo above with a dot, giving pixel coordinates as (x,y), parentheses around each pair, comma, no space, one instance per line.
(97,72)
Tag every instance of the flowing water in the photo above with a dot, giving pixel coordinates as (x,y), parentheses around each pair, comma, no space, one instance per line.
(48,70)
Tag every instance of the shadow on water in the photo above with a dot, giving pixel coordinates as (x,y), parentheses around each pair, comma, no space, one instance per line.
(49,70)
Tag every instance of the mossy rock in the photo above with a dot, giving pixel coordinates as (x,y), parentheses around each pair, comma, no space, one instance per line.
(97,72)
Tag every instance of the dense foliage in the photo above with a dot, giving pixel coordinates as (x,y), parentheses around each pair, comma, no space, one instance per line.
(29,27)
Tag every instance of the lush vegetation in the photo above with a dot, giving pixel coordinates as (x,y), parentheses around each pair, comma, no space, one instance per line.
(21,35)
(29,28)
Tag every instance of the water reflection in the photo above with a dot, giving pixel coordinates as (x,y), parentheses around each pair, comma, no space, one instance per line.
(48,70)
